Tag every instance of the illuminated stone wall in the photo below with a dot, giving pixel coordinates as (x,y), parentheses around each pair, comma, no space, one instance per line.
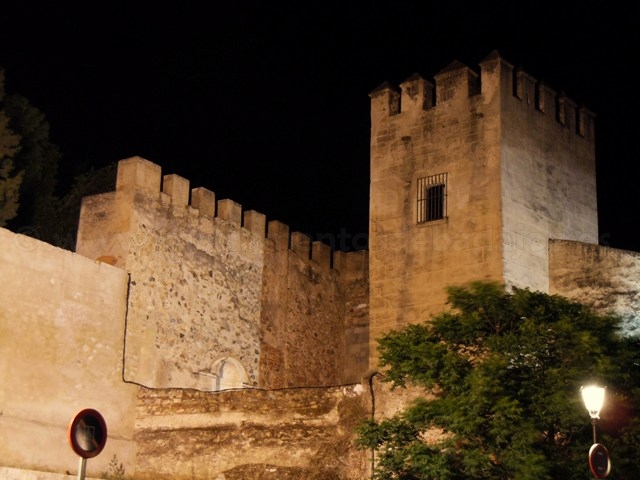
(220,299)
(62,319)
(220,345)
(606,279)
(263,435)
(413,138)
(548,178)
(519,162)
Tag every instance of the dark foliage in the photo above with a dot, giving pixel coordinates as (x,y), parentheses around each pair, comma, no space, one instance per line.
(506,370)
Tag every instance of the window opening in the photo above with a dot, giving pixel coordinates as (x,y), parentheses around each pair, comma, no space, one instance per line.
(432,198)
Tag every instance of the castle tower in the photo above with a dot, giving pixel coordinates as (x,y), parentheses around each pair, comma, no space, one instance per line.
(470,178)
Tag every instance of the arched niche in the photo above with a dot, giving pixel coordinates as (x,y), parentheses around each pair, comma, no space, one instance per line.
(229,373)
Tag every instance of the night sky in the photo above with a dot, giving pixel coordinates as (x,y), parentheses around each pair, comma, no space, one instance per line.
(267,103)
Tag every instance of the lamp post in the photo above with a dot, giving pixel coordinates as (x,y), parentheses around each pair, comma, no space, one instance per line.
(593,397)
(599,461)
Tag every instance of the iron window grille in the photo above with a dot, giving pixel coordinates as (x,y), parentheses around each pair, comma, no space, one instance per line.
(432,198)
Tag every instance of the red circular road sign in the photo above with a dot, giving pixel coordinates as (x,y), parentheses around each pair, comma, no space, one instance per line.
(599,461)
(87,433)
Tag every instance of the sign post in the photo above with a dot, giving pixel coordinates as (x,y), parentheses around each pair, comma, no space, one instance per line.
(87,435)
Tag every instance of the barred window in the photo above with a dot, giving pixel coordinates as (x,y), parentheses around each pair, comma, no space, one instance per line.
(432,198)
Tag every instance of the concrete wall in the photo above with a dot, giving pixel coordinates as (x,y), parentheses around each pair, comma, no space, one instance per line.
(251,434)
(603,278)
(62,320)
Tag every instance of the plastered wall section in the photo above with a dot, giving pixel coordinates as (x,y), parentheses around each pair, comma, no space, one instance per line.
(284,434)
(8,473)
(62,319)
(548,178)
(604,278)
(411,138)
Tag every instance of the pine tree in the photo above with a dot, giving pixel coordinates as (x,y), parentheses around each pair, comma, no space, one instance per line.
(10,180)
(38,160)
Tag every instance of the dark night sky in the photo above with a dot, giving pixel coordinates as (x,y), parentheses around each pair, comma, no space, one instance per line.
(267,103)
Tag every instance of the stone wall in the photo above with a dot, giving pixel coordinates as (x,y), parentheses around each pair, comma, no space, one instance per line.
(194,301)
(262,435)
(62,322)
(303,317)
(548,177)
(174,295)
(192,325)
(517,163)
(412,262)
(354,268)
(606,279)
(219,298)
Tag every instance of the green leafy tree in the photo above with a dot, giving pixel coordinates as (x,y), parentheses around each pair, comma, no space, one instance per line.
(502,373)
(10,180)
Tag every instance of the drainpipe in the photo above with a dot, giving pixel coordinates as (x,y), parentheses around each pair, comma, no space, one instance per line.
(373,414)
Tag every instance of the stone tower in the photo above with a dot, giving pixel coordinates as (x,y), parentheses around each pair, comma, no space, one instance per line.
(470,178)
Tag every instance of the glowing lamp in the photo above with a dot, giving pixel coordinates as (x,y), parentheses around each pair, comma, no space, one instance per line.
(599,460)
(593,397)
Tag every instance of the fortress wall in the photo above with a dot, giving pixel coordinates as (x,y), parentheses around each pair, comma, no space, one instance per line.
(303,316)
(285,434)
(194,302)
(62,322)
(413,138)
(314,332)
(275,288)
(314,318)
(354,267)
(216,298)
(605,279)
(549,177)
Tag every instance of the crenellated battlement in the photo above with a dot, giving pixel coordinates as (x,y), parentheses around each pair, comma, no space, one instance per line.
(497,79)
(251,288)
(137,174)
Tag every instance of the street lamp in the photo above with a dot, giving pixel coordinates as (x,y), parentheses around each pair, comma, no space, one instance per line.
(593,397)
(599,461)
